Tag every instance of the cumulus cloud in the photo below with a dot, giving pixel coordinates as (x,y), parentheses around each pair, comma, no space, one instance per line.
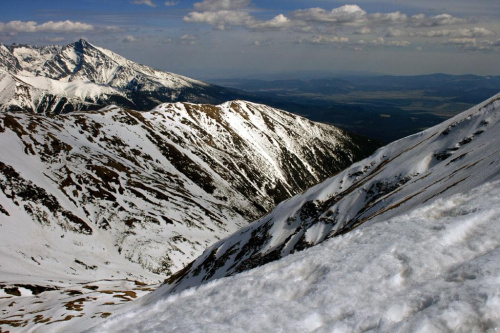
(321,26)
(65,26)
(171,3)
(278,22)
(387,18)
(224,13)
(342,15)
(14,27)
(221,19)
(144,2)
(215,5)
(421,20)
(394,32)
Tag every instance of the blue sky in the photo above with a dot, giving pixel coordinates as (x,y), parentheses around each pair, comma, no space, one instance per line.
(238,38)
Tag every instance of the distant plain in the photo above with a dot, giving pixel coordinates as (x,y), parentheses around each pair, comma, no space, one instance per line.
(385,108)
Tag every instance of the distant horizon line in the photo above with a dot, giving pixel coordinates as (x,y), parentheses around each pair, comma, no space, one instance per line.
(272,75)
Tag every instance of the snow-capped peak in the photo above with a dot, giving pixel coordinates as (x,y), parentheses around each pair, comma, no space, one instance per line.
(89,77)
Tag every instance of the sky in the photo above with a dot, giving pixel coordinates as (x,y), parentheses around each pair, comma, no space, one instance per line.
(255,38)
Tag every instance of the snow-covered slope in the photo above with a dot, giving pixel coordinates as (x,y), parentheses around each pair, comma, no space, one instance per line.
(450,158)
(81,76)
(435,268)
(123,194)
(425,256)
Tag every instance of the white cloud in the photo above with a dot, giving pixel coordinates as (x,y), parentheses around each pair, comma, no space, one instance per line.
(14,27)
(473,32)
(188,39)
(144,2)
(363,31)
(278,22)
(109,29)
(265,42)
(353,15)
(65,26)
(380,41)
(18,26)
(421,20)
(171,3)
(221,19)
(215,5)
(321,26)
(349,15)
(461,41)
(469,44)
(322,39)
(398,43)
(387,18)
(394,32)
(342,15)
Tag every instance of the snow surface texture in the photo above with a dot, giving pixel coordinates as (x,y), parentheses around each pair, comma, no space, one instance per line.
(159,186)
(81,76)
(433,269)
(120,194)
(450,158)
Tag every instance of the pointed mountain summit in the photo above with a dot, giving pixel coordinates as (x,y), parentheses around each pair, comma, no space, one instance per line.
(81,76)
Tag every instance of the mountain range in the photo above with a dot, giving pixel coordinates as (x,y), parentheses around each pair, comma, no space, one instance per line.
(115,177)
(457,155)
(405,240)
(81,76)
(155,188)
(122,196)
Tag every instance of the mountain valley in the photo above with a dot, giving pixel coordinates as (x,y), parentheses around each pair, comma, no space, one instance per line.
(133,199)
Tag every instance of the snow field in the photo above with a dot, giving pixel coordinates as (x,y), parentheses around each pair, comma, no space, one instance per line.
(434,269)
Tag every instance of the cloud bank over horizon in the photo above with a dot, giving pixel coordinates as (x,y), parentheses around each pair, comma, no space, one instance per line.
(244,36)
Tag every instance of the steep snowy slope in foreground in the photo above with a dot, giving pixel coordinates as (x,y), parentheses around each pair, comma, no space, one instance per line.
(450,158)
(433,269)
(119,194)
(155,188)
(425,258)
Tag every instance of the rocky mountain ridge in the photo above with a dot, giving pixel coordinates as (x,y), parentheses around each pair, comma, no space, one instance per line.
(81,76)
(444,160)
(153,188)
